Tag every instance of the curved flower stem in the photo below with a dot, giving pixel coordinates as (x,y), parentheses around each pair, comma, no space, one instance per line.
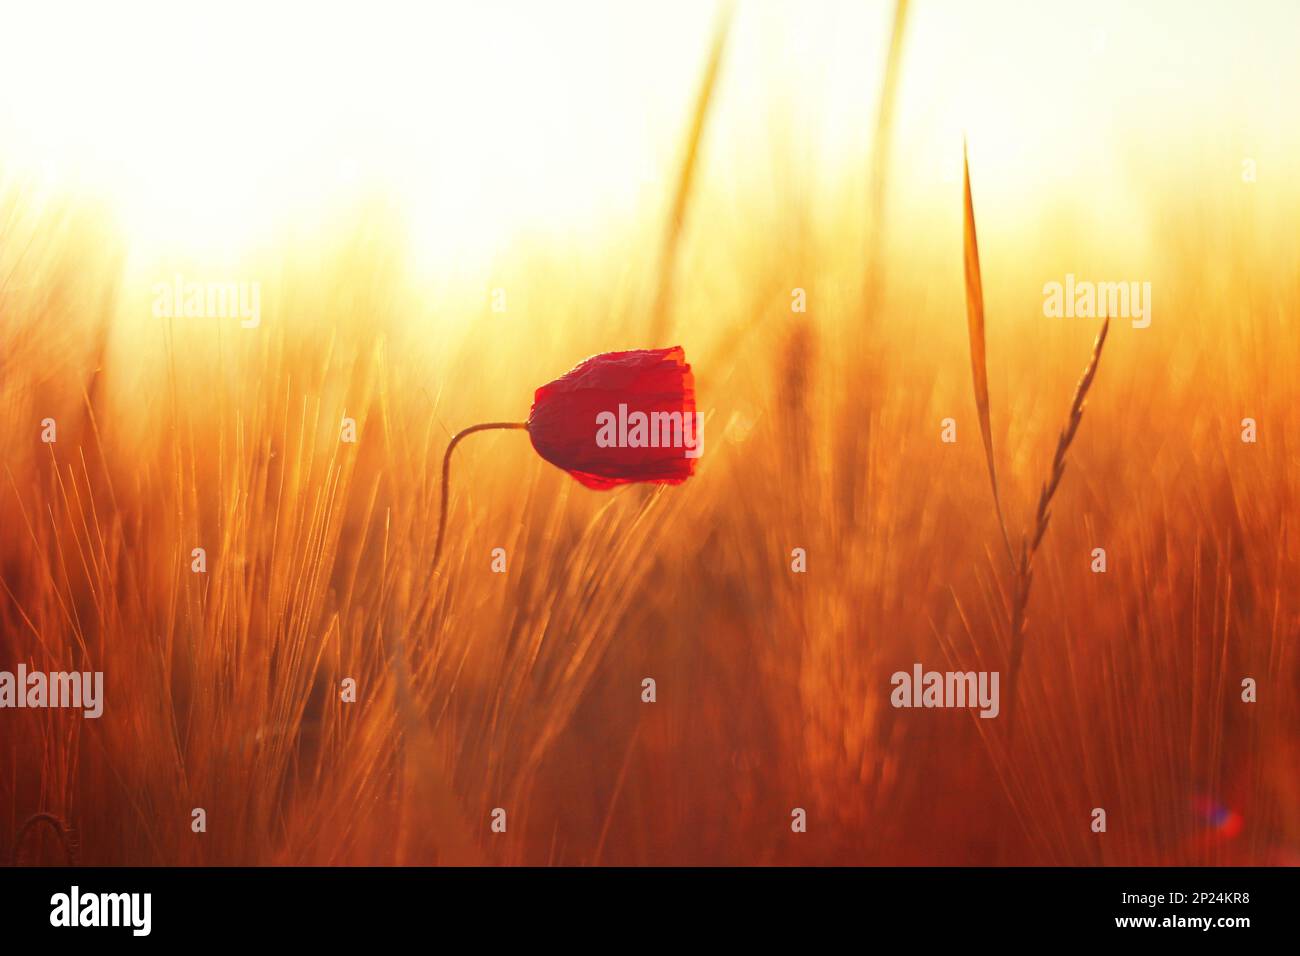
(446,474)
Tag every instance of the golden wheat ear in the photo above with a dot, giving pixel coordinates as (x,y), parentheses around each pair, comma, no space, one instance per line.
(1043,514)
(1022,566)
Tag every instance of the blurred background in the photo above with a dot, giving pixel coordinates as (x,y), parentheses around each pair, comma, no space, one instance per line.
(443,207)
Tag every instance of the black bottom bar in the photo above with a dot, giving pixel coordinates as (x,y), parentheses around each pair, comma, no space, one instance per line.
(611,906)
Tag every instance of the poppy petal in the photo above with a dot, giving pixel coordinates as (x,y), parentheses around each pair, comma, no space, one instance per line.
(642,399)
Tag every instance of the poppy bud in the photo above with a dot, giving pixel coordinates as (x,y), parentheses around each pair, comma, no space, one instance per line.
(621,417)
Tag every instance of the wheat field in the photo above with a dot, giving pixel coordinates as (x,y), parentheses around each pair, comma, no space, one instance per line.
(522,690)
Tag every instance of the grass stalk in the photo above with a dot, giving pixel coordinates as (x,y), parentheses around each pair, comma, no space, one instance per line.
(1022,564)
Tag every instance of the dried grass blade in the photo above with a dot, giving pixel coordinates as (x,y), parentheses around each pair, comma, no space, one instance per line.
(978,360)
(686,174)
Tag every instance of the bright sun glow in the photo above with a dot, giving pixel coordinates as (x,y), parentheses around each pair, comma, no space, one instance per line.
(209,129)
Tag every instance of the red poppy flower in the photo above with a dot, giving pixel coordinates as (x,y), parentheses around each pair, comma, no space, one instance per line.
(616,418)
(621,417)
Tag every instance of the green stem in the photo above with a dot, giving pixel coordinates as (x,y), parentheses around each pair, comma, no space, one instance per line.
(446,474)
